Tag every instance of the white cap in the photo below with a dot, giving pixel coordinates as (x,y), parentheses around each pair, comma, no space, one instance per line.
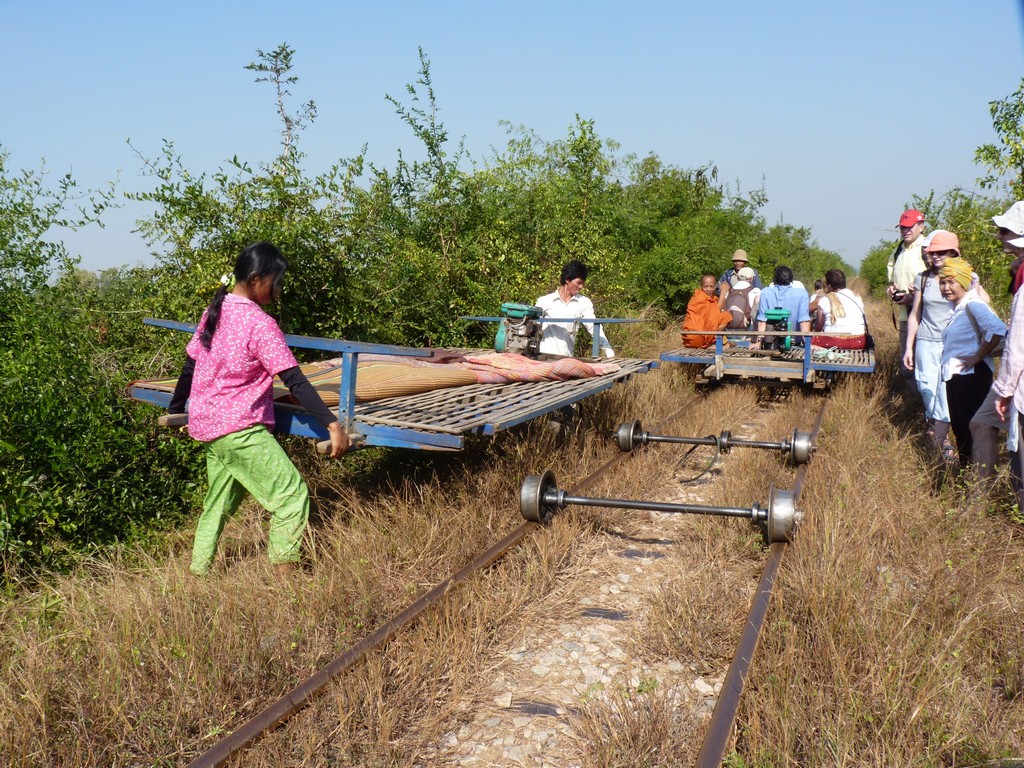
(1013,219)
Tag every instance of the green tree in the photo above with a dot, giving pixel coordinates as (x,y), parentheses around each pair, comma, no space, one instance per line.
(31,211)
(201,223)
(1005,160)
(873,269)
(274,67)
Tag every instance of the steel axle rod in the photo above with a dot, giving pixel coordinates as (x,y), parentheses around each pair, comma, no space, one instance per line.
(799,447)
(560,500)
(540,498)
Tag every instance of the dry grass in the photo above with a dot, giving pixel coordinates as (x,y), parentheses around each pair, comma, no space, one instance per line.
(122,666)
(635,729)
(698,616)
(893,638)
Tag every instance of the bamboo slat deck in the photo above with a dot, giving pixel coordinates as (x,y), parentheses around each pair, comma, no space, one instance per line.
(440,419)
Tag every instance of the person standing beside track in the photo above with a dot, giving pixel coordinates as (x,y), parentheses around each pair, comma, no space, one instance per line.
(568,302)
(929,315)
(781,294)
(228,382)
(906,263)
(989,421)
(968,341)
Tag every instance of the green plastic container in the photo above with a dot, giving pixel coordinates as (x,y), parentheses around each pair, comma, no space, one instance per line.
(777,320)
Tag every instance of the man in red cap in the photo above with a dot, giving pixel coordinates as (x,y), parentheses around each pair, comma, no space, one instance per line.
(905,264)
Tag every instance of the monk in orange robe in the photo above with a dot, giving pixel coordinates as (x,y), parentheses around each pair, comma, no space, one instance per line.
(704,313)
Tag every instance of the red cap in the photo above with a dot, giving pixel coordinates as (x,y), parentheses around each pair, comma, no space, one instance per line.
(911,217)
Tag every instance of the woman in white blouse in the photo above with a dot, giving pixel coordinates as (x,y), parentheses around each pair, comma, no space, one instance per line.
(973,333)
(844,314)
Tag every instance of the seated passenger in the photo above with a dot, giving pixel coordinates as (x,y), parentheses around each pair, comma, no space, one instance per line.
(741,299)
(730,276)
(844,313)
(704,313)
(781,295)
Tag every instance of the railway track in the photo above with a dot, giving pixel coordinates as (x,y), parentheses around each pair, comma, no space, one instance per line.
(719,729)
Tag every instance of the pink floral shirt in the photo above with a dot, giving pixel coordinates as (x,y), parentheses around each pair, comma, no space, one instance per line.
(232,388)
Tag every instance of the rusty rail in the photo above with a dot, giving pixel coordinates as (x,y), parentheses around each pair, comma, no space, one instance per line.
(286,706)
(720,729)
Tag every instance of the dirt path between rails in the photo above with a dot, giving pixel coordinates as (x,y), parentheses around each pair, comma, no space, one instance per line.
(527,715)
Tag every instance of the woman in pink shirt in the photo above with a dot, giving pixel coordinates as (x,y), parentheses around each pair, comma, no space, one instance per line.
(228,382)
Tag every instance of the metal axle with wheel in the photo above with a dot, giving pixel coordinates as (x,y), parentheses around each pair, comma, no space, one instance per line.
(799,447)
(540,498)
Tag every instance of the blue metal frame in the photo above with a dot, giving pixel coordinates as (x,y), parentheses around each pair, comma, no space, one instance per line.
(810,365)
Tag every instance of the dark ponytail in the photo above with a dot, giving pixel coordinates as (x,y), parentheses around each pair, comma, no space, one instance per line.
(260,259)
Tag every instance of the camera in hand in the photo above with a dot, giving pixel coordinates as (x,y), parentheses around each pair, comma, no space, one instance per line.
(898,295)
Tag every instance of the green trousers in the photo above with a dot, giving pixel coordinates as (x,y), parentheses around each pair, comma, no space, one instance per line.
(251,460)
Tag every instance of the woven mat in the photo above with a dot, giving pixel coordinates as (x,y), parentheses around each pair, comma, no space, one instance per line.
(375,381)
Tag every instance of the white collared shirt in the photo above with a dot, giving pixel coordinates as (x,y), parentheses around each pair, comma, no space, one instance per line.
(560,338)
(904,268)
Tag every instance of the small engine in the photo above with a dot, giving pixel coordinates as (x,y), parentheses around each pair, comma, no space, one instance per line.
(777,320)
(519,332)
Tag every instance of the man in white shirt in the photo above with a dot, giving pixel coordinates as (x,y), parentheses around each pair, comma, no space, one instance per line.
(568,302)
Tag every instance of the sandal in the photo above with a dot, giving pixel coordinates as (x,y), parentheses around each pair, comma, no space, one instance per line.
(949,454)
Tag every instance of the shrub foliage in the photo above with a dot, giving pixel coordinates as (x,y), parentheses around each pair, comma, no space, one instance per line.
(386,254)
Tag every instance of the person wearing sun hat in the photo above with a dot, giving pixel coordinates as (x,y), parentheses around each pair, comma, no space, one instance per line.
(1005,402)
(731,275)
(1010,227)
(905,263)
(968,341)
(929,315)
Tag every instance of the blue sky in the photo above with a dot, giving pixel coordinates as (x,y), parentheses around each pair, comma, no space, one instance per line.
(842,110)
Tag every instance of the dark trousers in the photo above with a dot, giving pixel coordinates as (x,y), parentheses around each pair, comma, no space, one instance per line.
(965,393)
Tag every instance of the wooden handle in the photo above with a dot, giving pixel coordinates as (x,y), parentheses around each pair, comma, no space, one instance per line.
(355,440)
(173,420)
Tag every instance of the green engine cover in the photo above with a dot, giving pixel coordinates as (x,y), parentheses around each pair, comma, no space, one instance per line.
(520,311)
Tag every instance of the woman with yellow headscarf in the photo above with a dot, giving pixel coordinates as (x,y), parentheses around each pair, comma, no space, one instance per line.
(974,331)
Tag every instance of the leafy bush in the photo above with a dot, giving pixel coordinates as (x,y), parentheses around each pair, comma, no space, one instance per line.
(80,464)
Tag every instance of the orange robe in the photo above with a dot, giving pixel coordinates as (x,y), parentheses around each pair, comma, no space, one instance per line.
(703,314)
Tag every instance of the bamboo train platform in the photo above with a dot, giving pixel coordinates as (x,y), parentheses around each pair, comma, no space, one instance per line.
(730,358)
(437,419)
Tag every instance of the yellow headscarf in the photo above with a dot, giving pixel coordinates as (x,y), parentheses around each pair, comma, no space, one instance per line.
(959,270)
